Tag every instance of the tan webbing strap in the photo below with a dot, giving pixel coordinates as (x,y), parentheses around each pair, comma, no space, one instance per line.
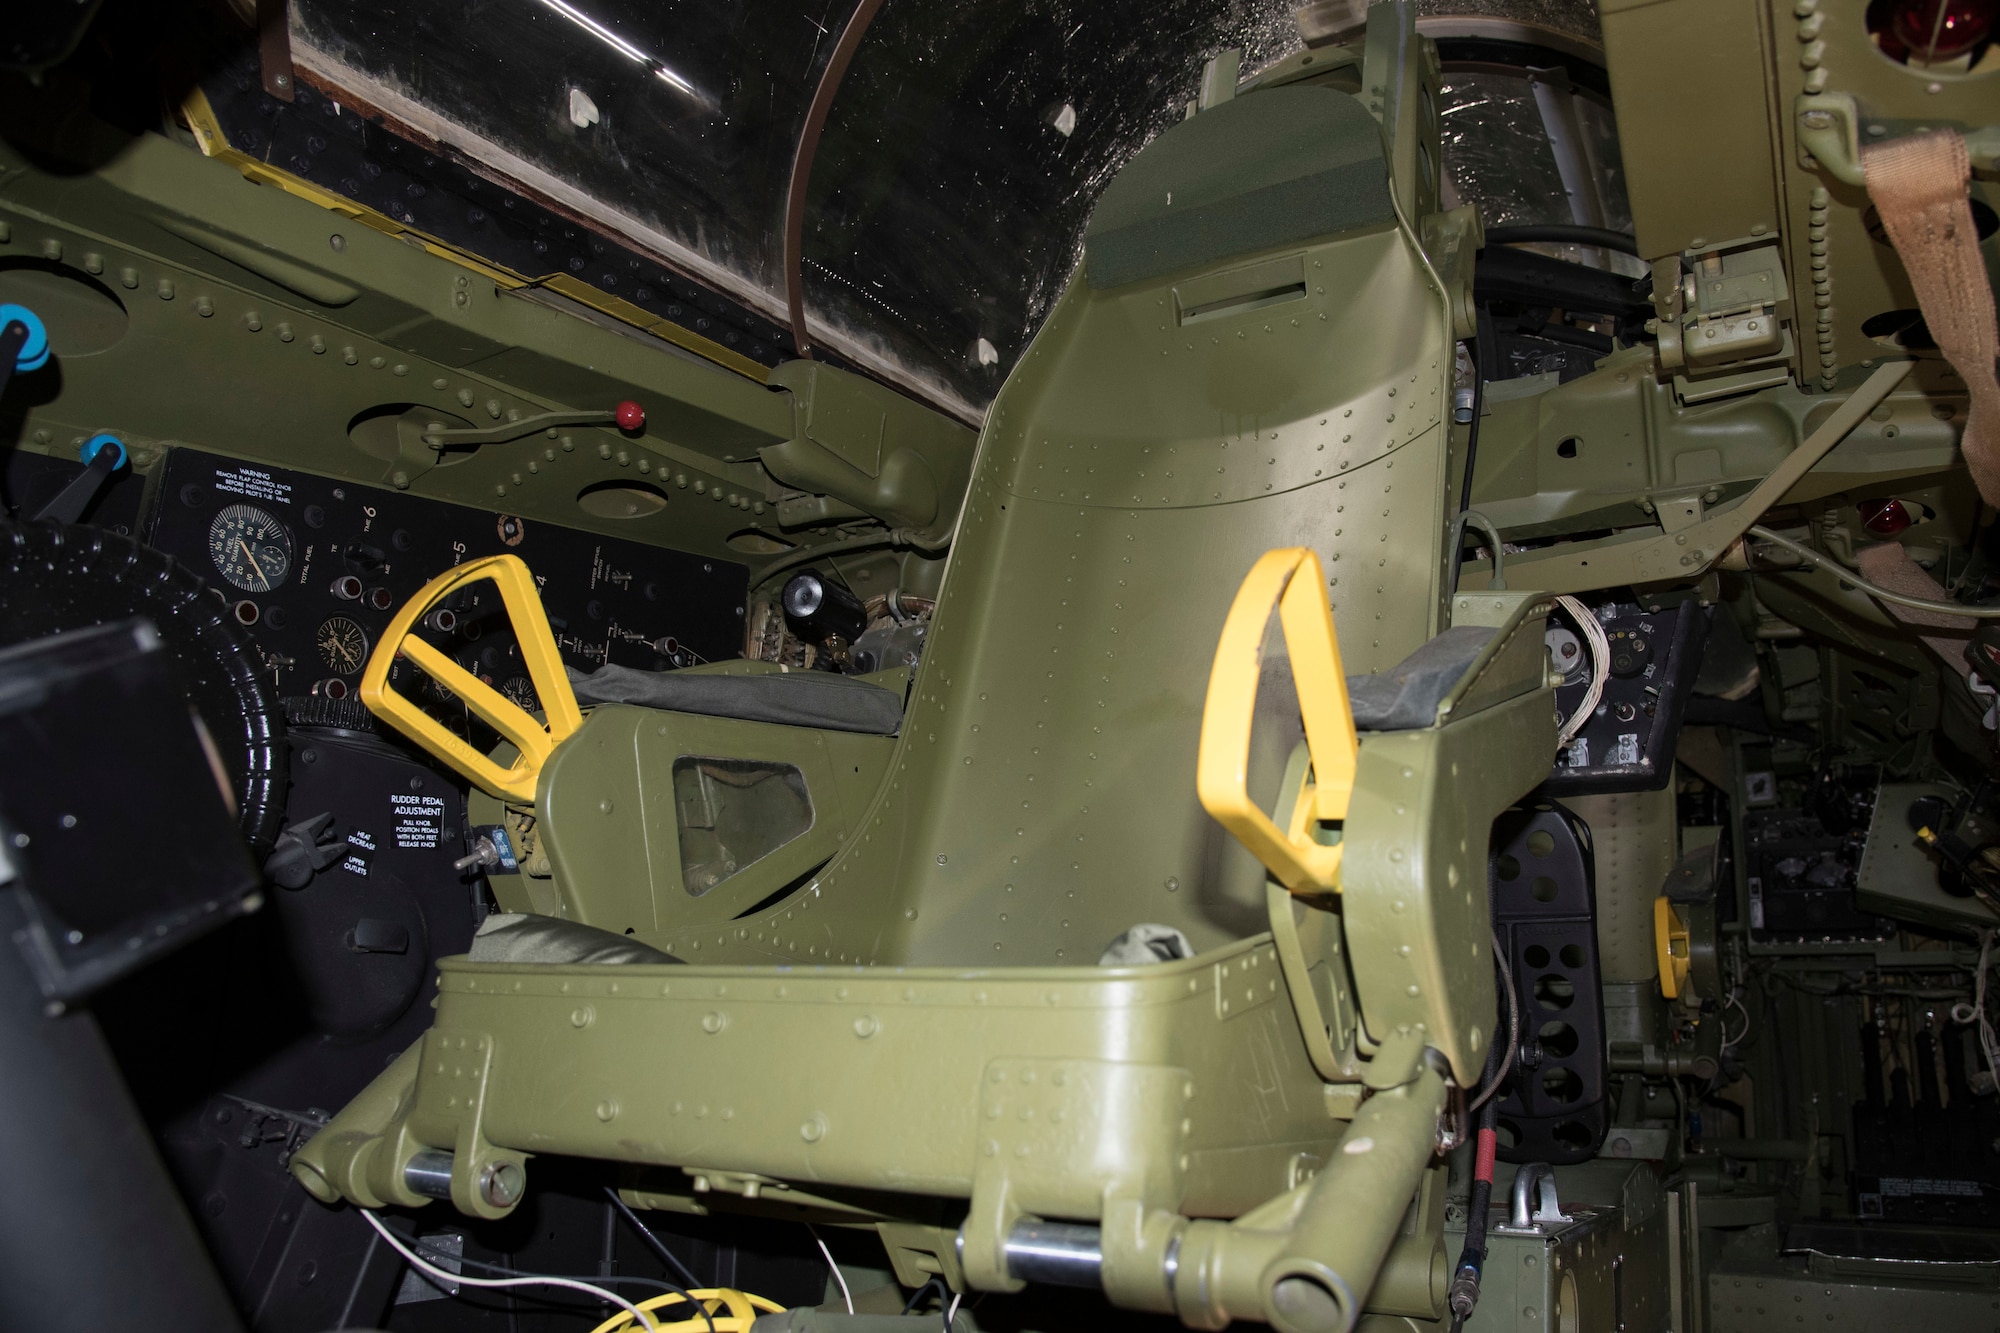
(1919,186)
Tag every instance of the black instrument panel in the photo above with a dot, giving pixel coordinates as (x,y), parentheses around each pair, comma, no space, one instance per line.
(1628,744)
(316,568)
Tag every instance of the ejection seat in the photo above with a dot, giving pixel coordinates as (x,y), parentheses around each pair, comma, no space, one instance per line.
(1258,351)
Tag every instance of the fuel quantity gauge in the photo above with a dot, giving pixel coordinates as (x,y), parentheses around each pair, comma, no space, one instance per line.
(342,644)
(250,547)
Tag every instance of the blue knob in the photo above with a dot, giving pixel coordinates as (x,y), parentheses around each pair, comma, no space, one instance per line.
(34,353)
(97,444)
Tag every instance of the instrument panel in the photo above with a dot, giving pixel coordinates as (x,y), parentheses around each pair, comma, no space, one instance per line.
(1628,743)
(314,569)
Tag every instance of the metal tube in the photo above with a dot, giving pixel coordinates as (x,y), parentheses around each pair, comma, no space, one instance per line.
(1846,575)
(1326,1267)
(1413,1280)
(1472,518)
(1059,1254)
(429,1174)
(802,161)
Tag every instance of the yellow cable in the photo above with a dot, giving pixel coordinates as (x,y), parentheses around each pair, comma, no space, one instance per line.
(742,1307)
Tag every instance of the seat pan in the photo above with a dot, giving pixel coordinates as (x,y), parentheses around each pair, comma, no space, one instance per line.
(790,698)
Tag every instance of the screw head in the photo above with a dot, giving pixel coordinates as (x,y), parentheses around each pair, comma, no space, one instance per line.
(502,1183)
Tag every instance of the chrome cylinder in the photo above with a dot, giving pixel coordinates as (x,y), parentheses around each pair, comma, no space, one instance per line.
(429,1174)
(1057,1254)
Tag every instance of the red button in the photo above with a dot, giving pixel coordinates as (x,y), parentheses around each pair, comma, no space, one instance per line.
(631,416)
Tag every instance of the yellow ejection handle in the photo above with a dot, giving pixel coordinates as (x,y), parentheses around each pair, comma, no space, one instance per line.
(1290,579)
(536,741)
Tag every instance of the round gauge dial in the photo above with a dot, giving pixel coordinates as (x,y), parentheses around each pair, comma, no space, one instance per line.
(1568,654)
(522,691)
(250,547)
(342,644)
(1631,652)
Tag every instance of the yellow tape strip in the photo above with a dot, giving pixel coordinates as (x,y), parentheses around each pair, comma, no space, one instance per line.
(207,130)
(665,329)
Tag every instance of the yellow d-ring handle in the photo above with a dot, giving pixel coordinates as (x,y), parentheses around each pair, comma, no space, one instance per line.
(1672,947)
(1290,580)
(535,740)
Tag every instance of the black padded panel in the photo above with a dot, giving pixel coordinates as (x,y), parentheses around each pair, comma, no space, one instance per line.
(1555,1107)
(1265,169)
(789,698)
(1407,695)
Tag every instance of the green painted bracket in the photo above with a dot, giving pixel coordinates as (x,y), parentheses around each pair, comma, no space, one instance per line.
(1414,875)
(1830,131)
(1829,126)
(872,448)
(1688,552)
(1311,954)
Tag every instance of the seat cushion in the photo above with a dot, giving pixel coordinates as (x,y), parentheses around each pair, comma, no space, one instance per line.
(1407,695)
(789,698)
(518,937)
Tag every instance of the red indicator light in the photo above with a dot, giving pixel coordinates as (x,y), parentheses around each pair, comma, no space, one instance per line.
(1930,31)
(1884,518)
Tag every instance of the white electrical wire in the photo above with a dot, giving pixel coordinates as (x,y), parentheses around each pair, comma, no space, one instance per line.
(1989,1042)
(1600,662)
(845,1295)
(952,1313)
(1730,1043)
(447,1278)
(1513,1029)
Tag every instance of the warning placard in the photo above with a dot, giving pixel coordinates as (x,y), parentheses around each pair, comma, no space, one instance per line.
(417,821)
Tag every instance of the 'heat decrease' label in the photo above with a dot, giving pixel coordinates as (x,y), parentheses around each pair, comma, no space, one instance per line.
(360,851)
(417,821)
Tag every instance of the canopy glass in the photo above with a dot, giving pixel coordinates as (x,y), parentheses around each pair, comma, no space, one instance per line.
(959,162)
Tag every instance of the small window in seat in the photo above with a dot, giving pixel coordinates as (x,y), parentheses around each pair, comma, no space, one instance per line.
(733,813)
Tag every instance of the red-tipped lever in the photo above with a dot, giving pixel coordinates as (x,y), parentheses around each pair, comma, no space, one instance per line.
(631,416)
